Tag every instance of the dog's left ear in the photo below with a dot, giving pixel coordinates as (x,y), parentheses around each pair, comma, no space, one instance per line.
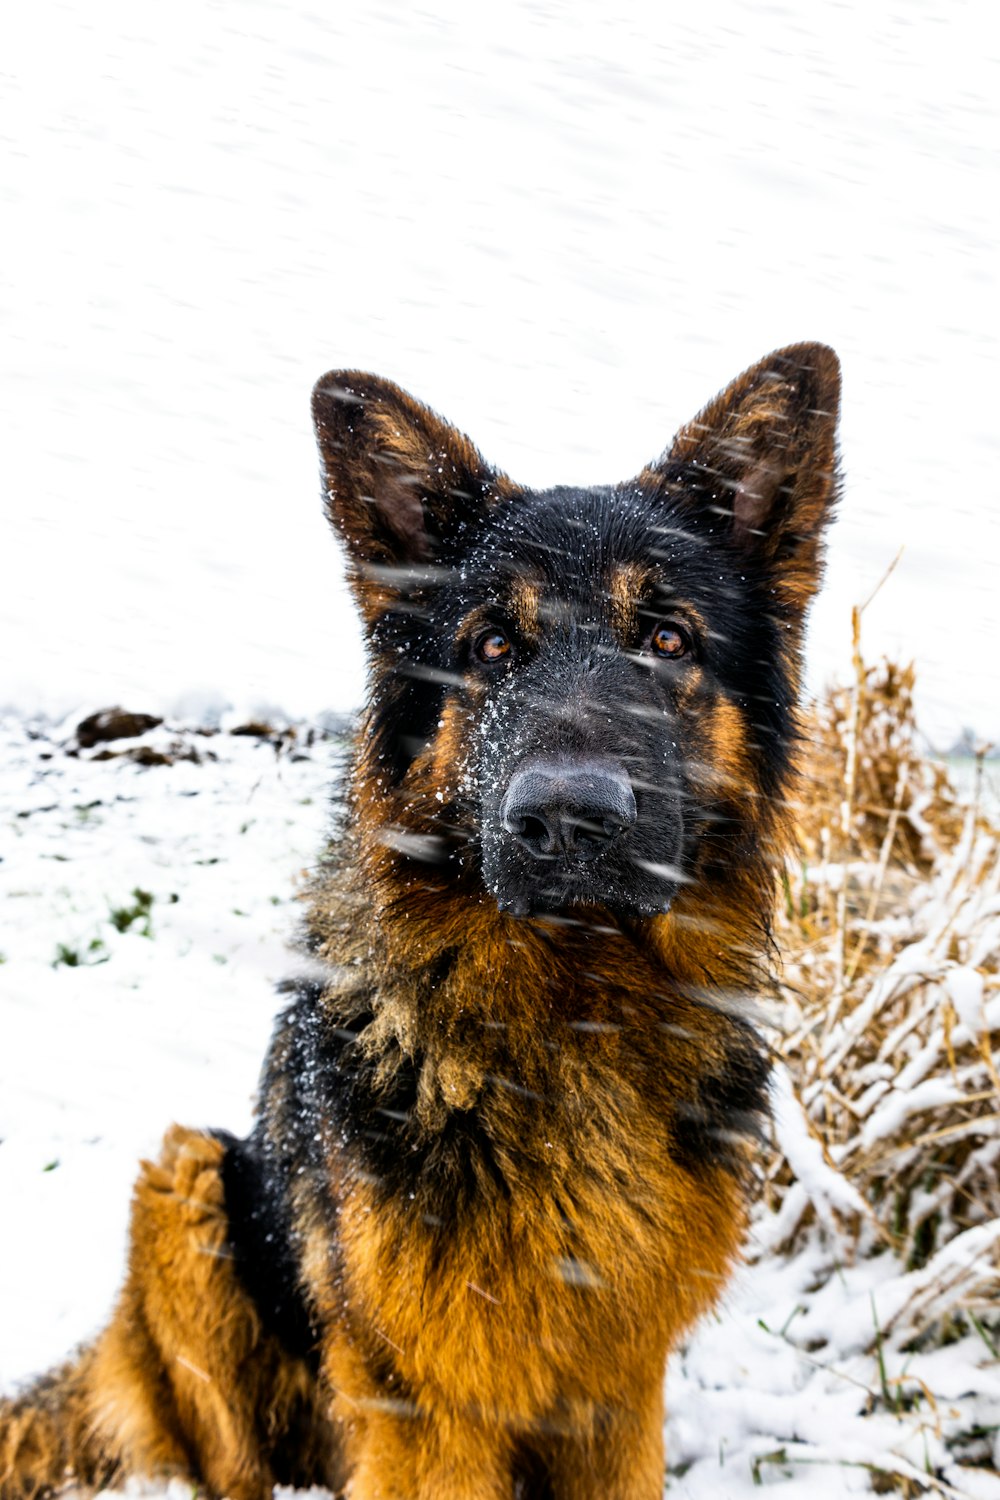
(763,457)
(397,479)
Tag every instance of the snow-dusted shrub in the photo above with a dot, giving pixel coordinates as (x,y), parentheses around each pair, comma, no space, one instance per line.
(887,1119)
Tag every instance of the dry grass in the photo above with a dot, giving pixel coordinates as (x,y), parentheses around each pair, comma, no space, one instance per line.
(890,932)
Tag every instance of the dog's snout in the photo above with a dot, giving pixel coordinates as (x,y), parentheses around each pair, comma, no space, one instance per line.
(575,811)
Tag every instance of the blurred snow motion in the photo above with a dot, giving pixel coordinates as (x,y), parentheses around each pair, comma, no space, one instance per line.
(552,223)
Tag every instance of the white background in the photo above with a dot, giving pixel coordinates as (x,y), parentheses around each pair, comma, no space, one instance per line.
(562,225)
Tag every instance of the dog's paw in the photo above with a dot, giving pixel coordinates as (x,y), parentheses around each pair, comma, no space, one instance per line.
(189,1169)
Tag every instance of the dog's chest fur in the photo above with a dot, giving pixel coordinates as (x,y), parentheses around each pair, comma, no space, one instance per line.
(515,1180)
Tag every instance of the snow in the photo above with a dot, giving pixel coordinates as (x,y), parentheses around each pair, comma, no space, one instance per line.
(565,227)
(965,990)
(898,1105)
(803,1381)
(96,1059)
(782,1384)
(829,1192)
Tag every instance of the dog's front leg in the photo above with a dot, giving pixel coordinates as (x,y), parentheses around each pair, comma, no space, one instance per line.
(185,1380)
(620,1458)
(405,1455)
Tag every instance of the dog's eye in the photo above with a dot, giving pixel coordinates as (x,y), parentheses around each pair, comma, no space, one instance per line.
(492,646)
(669,640)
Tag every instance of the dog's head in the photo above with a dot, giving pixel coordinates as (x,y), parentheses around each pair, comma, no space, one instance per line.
(582,698)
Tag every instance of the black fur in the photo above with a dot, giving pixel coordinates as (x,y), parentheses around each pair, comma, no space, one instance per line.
(260,1238)
(729,1106)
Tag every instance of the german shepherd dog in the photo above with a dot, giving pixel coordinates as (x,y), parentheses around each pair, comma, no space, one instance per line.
(504,1132)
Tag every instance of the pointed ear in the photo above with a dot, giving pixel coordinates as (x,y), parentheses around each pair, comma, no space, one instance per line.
(397,479)
(763,456)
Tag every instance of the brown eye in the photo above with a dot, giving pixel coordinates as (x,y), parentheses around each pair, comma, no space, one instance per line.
(668,640)
(493,646)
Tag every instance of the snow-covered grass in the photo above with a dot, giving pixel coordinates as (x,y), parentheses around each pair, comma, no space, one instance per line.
(148,910)
(108,1035)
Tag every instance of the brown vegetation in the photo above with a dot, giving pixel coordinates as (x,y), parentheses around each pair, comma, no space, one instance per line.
(890,934)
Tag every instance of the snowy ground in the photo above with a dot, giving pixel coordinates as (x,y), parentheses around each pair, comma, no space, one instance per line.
(147,911)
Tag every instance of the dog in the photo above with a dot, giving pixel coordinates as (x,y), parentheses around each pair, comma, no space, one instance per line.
(505,1129)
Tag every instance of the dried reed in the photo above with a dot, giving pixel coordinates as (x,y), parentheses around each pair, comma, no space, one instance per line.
(888,1129)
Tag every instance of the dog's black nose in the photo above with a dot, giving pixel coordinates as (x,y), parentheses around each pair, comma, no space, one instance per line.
(576,810)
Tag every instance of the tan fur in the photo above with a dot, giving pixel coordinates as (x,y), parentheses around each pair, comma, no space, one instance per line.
(511,1336)
(627,586)
(526,606)
(46,1435)
(182,1381)
(531,1330)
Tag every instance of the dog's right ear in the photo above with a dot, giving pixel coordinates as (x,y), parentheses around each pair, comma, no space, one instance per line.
(397,480)
(761,459)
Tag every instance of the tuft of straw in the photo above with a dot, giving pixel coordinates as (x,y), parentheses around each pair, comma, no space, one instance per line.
(888,1129)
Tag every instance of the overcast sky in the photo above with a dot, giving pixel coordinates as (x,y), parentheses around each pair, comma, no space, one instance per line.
(563,225)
